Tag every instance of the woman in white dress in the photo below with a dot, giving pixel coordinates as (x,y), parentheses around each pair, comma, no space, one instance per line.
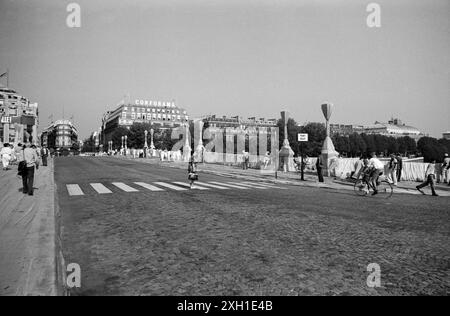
(6,154)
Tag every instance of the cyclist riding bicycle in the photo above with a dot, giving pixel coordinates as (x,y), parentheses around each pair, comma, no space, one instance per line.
(376,168)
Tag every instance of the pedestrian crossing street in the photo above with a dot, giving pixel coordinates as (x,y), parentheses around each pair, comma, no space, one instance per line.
(110,188)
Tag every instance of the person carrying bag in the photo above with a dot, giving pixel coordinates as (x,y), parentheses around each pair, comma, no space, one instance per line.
(192,171)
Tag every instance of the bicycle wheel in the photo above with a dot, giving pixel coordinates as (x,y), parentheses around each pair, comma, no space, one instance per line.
(385,189)
(360,187)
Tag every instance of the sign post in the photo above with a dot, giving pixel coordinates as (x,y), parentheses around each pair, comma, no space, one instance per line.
(302,138)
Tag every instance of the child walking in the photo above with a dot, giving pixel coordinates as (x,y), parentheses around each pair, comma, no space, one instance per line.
(192,171)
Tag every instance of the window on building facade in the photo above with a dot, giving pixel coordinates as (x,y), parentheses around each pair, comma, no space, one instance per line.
(133,116)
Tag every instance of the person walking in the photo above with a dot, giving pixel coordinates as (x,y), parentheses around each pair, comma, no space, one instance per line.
(245,160)
(319,168)
(446,169)
(31,159)
(22,167)
(44,155)
(430,179)
(399,167)
(6,155)
(392,170)
(192,171)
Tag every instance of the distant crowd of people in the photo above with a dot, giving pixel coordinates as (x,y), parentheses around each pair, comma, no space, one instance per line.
(28,158)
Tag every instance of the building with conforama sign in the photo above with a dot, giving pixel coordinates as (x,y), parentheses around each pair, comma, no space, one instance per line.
(18,118)
(60,134)
(160,114)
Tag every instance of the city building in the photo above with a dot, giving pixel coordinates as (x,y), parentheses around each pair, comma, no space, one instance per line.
(237,122)
(61,134)
(345,130)
(160,114)
(19,118)
(446,135)
(394,128)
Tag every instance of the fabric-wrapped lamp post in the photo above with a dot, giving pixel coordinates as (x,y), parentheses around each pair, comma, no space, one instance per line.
(328,151)
(286,152)
(187,146)
(198,140)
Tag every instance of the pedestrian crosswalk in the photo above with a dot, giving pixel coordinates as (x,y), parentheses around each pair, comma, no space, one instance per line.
(99,188)
(109,188)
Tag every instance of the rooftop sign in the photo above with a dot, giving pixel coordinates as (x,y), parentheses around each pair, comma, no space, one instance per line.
(155,103)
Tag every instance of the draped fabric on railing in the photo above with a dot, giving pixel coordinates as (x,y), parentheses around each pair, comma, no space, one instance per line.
(340,168)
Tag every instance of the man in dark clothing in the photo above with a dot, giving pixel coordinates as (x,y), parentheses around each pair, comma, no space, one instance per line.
(31,158)
(399,167)
(430,179)
(44,155)
(319,168)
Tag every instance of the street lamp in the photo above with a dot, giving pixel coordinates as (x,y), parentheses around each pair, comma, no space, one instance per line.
(145,143)
(328,151)
(152,145)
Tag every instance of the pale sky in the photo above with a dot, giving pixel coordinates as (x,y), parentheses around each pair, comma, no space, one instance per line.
(248,58)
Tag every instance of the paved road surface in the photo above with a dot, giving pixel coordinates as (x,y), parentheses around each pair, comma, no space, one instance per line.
(134,230)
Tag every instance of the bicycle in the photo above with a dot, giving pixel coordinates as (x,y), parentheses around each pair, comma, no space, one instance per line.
(363,186)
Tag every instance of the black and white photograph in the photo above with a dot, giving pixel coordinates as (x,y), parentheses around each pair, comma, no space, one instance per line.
(224,156)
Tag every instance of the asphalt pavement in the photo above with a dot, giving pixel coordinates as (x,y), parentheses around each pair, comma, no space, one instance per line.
(136,229)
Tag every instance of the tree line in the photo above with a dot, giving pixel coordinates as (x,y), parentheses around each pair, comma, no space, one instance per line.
(357,145)
(354,145)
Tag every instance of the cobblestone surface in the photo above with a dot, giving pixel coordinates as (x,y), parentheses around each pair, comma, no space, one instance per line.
(299,241)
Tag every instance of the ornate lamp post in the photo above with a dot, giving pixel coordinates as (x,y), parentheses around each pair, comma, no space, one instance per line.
(328,151)
(152,145)
(145,143)
(145,135)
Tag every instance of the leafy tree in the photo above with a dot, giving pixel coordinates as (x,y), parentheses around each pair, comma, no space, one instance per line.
(88,145)
(136,135)
(75,146)
(369,140)
(431,149)
(316,136)
(163,139)
(117,137)
(357,145)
